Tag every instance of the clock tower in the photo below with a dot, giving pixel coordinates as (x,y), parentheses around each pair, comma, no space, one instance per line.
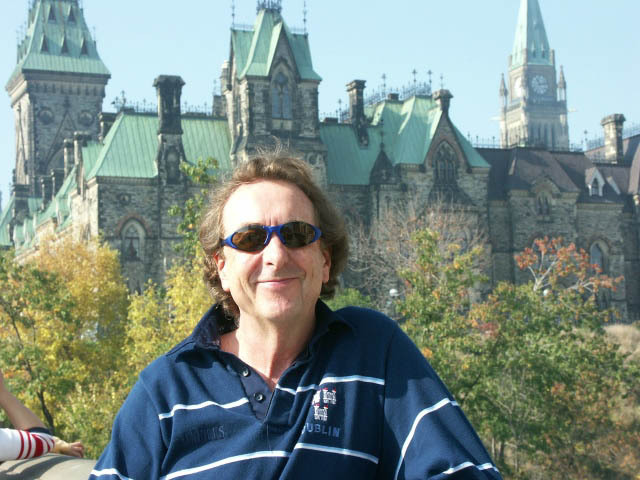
(534,103)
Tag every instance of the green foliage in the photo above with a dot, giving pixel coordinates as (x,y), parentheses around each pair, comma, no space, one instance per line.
(200,174)
(530,364)
(349,297)
(62,318)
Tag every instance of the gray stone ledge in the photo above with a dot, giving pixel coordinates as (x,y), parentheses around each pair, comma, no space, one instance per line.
(47,467)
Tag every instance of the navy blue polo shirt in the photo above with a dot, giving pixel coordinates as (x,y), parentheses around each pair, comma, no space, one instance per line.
(359,402)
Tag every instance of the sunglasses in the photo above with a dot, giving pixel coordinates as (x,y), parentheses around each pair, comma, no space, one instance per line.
(254,238)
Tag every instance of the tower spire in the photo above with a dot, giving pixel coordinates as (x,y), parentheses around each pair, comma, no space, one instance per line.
(530,45)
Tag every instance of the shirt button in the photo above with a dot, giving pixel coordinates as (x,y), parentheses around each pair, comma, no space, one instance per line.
(259,397)
(245,372)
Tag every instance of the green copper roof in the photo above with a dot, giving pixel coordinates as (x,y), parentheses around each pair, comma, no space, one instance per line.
(5,219)
(406,128)
(58,40)
(254,50)
(131,145)
(530,37)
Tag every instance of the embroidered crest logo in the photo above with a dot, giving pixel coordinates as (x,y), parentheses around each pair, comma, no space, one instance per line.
(322,399)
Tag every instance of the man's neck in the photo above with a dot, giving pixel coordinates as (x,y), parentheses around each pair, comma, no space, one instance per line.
(269,349)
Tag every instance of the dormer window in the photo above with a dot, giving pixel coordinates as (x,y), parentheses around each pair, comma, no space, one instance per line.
(595,188)
(71,18)
(65,47)
(281,98)
(44,47)
(52,15)
(83,49)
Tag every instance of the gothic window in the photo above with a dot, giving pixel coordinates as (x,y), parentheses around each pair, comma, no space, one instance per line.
(45,45)
(71,18)
(83,49)
(595,188)
(543,206)
(445,166)
(52,14)
(132,242)
(596,256)
(281,105)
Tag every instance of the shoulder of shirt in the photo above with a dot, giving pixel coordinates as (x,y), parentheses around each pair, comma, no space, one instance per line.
(366,322)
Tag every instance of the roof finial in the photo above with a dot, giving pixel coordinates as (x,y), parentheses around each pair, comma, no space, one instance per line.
(275,5)
(233,12)
(304,16)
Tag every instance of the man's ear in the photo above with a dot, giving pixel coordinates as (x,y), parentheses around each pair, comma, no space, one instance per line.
(326,268)
(218,257)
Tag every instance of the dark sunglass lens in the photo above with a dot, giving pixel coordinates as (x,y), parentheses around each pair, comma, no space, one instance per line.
(249,239)
(297,234)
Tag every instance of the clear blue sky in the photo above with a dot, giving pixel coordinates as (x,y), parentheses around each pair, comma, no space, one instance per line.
(467,41)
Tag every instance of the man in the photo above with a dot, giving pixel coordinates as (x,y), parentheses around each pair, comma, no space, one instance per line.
(272,383)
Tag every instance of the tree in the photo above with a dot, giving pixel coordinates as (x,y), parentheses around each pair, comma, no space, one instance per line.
(382,249)
(530,365)
(62,318)
(35,346)
(200,175)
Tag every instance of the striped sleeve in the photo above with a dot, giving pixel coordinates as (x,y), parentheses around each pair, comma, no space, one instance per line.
(21,444)
(426,434)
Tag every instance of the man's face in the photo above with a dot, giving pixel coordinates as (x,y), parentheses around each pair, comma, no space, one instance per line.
(277,283)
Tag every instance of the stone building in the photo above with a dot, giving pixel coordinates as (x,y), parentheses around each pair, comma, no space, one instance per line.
(117,173)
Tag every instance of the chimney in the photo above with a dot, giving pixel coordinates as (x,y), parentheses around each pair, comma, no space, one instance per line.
(355,89)
(57,179)
(68,155)
(105,119)
(225,77)
(45,188)
(169,88)
(443,99)
(613,137)
(21,202)
(79,141)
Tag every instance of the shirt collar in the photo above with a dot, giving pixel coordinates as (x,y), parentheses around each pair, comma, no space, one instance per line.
(206,334)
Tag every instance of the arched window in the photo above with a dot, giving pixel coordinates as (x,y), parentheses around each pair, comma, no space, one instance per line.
(597,256)
(281,105)
(445,165)
(132,242)
(543,206)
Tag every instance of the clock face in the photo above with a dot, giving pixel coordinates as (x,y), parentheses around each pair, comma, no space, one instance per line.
(539,84)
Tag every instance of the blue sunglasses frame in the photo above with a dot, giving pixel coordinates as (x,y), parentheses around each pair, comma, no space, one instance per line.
(277,229)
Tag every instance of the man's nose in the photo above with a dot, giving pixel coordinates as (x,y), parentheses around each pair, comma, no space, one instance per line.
(275,251)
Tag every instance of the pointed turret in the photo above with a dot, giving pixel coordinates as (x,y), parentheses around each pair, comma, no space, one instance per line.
(270,86)
(58,39)
(562,86)
(534,113)
(503,92)
(56,88)
(530,45)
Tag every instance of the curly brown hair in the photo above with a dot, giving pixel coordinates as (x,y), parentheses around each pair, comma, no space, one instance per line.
(271,166)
